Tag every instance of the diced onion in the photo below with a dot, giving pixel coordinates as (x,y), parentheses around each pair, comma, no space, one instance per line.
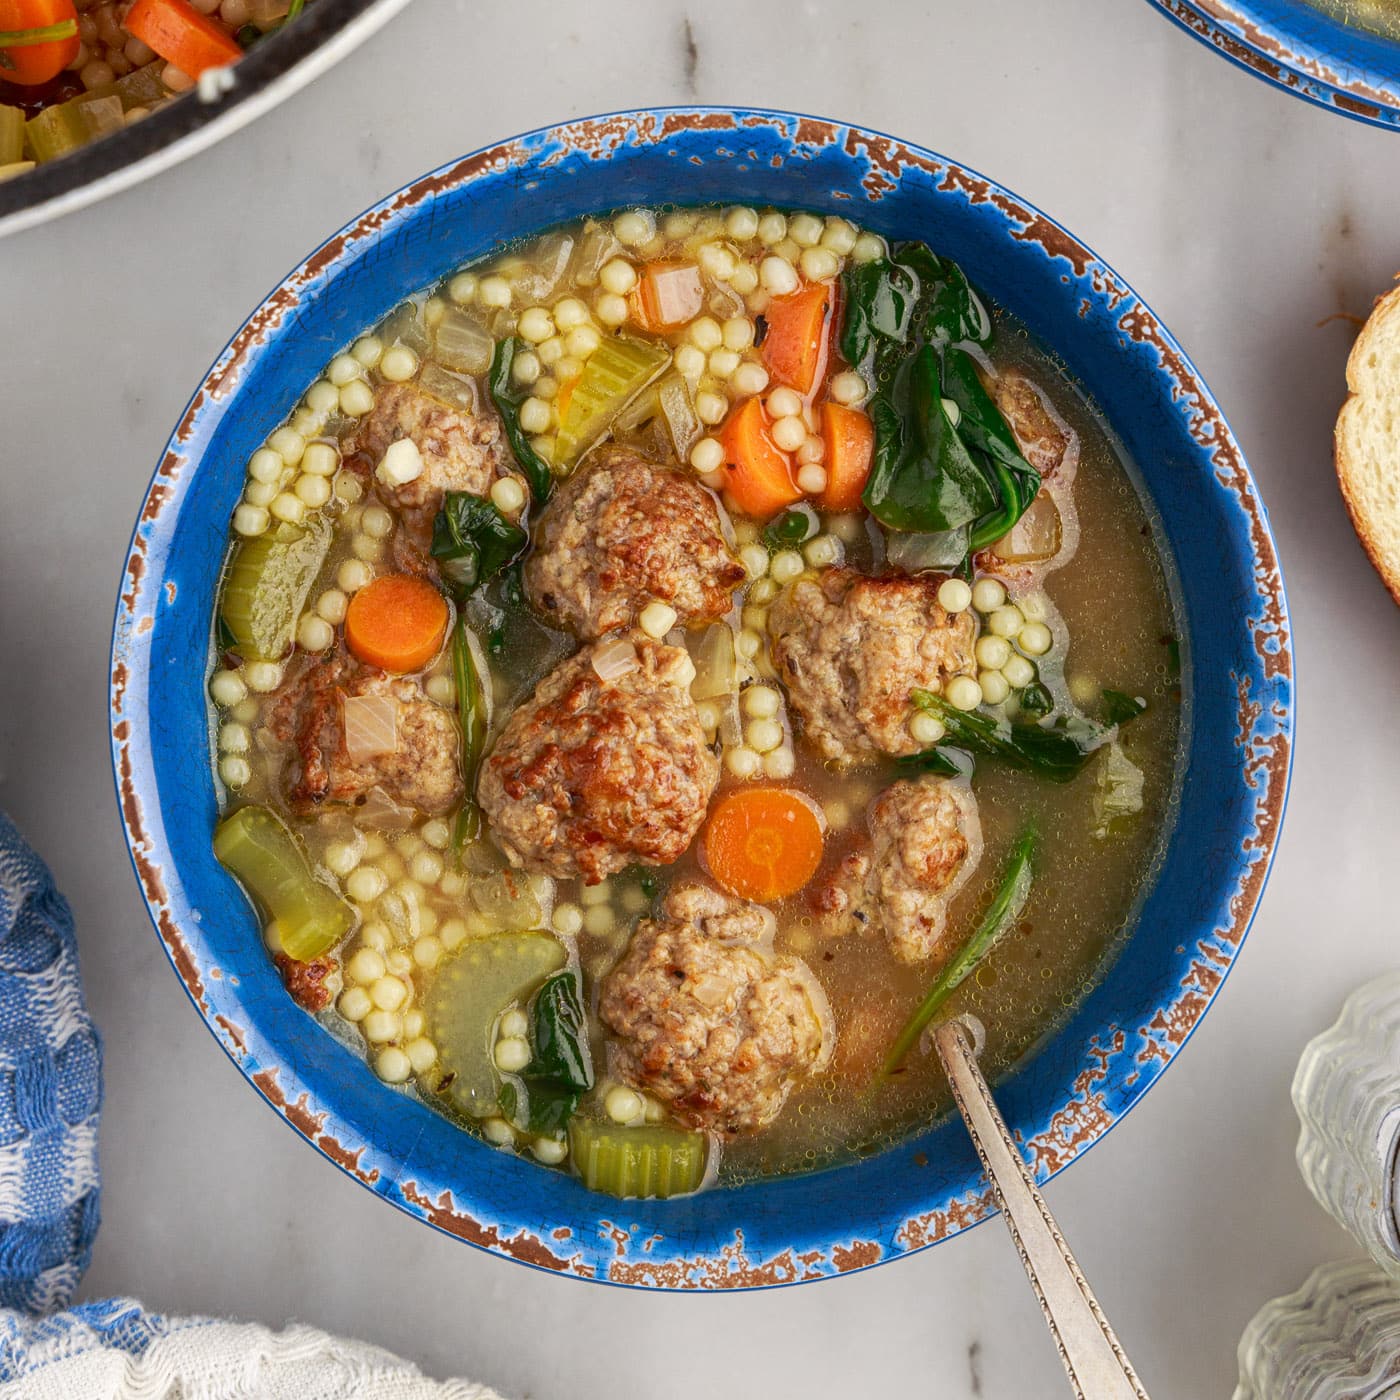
(615,659)
(371,726)
(462,343)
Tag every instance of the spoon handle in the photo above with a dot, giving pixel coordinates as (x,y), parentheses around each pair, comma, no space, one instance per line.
(1096,1365)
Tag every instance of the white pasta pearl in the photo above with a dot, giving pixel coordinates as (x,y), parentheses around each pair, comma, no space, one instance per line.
(705,334)
(288,445)
(1035,639)
(710,408)
(611,309)
(441,690)
(550,1151)
(745,279)
(260,493)
(993,652)
(954,595)
(789,433)
(1006,621)
(426,867)
(707,455)
(376,522)
(963,693)
(848,387)
(618,277)
(388,993)
(738,333)
(1018,671)
(925,728)
(819,264)
(320,459)
(262,677)
(723,362)
(314,633)
(622,1104)
(267,465)
(343,370)
(812,479)
(365,966)
(512,1054)
(761,702)
(742,762)
(366,884)
(493,292)
(777,276)
(226,688)
(356,399)
(741,223)
(994,687)
(805,230)
(749,378)
(657,619)
(536,324)
(498,1132)
(772,228)
(398,364)
(535,415)
(786,565)
(987,595)
(422,1054)
(312,491)
(525,368)
(839,235)
(462,288)
(367,350)
(380,1026)
(353,574)
(785,403)
(634,227)
(570,314)
(690,362)
(331,605)
(764,735)
(582,342)
(235,771)
(754,558)
(717,261)
(822,552)
(568,919)
(780,763)
(341,857)
(427,951)
(868,247)
(286,506)
(354,1004)
(507,495)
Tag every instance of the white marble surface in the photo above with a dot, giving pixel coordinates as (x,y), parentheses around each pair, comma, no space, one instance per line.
(1246,218)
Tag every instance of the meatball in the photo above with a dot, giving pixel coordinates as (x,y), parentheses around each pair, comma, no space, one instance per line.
(709,1019)
(1044,440)
(590,775)
(622,532)
(925,842)
(850,649)
(461,451)
(421,771)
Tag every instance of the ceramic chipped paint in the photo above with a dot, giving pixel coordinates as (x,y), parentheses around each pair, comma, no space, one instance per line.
(1312,52)
(1237,699)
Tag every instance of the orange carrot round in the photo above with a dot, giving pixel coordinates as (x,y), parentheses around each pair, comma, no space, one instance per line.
(850,448)
(396,623)
(181,35)
(38,39)
(757,474)
(763,842)
(799,327)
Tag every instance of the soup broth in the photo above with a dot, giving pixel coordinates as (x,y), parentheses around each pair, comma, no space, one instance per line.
(387,646)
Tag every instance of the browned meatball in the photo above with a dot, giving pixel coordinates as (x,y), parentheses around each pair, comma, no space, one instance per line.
(590,775)
(421,771)
(621,532)
(851,648)
(461,451)
(709,1019)
(1043,438)
(925,842)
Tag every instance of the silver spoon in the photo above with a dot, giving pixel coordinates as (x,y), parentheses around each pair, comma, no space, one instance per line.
(1096,1364)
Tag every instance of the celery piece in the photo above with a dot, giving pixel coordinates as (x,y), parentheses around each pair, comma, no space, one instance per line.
(56,131)
(467,994)
(142,87)
(15,167)
(615,373)
(654,1160)
(11,135)
(256,847)
(266,585)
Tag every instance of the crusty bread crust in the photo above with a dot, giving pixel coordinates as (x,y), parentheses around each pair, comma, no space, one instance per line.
(1366,444)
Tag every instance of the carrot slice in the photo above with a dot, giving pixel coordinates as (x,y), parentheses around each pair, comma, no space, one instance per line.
(668,295)
(850,448)
(38,40)
(763,842)
(396,623)
(181,35)
(799,329)
(758,475)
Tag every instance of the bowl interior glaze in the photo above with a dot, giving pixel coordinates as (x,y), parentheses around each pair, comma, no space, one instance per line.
(1309,52)
(1236,736)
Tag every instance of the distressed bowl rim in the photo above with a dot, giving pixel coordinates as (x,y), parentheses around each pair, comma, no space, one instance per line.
(1339,67)
(721,1262)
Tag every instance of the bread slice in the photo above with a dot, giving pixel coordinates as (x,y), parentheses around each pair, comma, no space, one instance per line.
(1367,441)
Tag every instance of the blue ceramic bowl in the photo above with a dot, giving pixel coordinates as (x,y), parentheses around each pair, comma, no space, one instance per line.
(1238,669)
(1303,50)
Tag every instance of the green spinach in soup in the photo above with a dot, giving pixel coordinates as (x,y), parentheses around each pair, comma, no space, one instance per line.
(662,668)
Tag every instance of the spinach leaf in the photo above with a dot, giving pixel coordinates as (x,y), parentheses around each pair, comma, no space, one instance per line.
(559,1035)
(881,299)
(792,528)
(539,1107)
(1119,707)
(1012,892)
(508,397)
(1036,700)
(985,431)
(1057,751)
(923,479)
(473,542)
